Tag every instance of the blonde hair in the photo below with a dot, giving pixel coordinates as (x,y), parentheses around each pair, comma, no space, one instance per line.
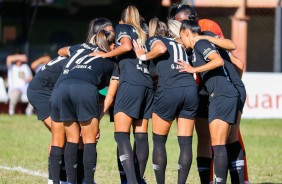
(174,28)
(157,27)
(131,16)
(104,39)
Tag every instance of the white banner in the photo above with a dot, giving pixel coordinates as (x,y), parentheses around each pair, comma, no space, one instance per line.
(264,95)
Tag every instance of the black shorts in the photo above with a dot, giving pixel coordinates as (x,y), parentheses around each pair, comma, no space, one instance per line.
(203,107)
(134,101)
(243,95)
(41,101)
(75,100)
(181,102)
(224,108)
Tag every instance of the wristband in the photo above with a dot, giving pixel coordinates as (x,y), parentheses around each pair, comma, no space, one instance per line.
(143,57)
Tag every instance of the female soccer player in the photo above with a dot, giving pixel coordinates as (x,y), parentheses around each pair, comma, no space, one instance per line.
(223,96)
(76,99)
(235,142)
(133,104)
(39,94)
(58,142)
(176,97)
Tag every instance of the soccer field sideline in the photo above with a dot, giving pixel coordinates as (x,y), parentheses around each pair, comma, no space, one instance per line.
(25,171)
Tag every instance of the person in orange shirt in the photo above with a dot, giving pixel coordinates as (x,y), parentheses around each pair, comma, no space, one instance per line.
(235,142)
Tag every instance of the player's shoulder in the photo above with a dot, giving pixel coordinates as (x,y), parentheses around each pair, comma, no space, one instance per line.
(124,27)
(209,33)
(203,46)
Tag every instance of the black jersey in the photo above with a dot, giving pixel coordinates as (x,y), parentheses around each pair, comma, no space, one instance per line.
(217,81)
(131,69)
(234,75)
(80,65)
(48,75)
(167,68)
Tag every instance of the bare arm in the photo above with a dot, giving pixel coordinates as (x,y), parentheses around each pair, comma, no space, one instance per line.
(41,60)
(64,51)
(157,50)
(125,47)
(12,58)
(220,42)
(109,97)
(215,62)
(239,65)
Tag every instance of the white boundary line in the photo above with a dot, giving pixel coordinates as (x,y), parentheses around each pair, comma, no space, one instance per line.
(26,171)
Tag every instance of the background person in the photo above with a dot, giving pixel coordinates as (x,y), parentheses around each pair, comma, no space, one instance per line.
(19,76)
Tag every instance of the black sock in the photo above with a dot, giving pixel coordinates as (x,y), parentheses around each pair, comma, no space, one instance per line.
(56,154)
(185,158)
(71,161)
(126,156)
(89,162)
(159,157)
(49,169)
(122,174)
(236,162)
(63,174)
(204,169)
(80,167)
(141,152)
(220,163)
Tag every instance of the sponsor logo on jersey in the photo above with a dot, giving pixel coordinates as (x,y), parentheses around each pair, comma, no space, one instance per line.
(88,47)
(122,33)
(152,41)
(206,51)
(79,67)
(141,67)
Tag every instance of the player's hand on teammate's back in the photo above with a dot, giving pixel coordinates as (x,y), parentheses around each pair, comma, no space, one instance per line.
(185,67)
(138,48)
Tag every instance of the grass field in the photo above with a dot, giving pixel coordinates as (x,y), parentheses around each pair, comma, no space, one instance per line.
(24,142)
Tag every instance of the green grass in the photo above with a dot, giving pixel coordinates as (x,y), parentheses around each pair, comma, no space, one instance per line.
(24,142)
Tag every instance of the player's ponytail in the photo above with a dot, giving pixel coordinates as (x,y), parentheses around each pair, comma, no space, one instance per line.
(131,16)
(173,28)
(104,39)
(157,27)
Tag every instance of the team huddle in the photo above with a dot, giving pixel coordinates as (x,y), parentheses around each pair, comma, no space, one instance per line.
(180,70)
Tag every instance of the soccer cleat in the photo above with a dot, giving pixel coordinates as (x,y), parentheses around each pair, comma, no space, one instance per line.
(50,181)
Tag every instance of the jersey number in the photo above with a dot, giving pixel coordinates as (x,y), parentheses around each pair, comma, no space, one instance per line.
(79,59)
(178,52)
